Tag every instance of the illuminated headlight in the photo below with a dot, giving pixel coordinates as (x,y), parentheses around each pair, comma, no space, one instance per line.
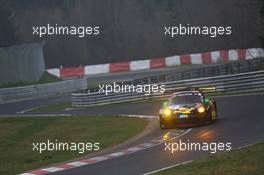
(167,112)
(201,109)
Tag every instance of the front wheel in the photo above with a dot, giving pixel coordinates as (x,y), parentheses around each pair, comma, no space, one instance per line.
(162,124)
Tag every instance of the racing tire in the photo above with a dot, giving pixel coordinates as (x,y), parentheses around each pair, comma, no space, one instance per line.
(215,106)
(213,113)
(163,125)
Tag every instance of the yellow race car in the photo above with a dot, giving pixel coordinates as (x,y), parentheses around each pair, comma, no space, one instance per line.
(187,108)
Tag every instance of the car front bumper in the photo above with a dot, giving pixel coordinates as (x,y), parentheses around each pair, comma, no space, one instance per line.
(192,119)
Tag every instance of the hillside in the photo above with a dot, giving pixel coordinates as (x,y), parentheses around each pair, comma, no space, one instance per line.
(130,30)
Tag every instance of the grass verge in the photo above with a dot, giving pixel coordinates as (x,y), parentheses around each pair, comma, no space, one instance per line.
(238,162)
(45,78)
(18,134)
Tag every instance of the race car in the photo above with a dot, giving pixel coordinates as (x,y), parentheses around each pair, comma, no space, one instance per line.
(187,108)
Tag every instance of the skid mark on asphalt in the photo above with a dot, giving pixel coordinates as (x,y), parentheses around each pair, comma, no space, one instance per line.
(164,137)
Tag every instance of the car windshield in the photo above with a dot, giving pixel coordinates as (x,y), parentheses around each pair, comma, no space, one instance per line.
(186,99)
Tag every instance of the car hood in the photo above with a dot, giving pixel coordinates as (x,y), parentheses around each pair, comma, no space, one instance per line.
(184,106)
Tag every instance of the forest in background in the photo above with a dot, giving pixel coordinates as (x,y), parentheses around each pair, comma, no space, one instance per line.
(130,30)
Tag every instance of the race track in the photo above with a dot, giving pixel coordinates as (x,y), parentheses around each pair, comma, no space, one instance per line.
(240,122)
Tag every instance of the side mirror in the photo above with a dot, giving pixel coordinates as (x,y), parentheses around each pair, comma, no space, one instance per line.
(165,104)
(206,100)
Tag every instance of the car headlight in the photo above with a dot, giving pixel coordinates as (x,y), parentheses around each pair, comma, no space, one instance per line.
(167,112)
(201,109)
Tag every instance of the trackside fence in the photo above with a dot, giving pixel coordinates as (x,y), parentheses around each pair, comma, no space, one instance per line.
(34,91)
(209,71)
(249,82)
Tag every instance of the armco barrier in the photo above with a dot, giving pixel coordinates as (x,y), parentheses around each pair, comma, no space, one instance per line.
(209,71)
(214,70)
(250,81)
(33,91)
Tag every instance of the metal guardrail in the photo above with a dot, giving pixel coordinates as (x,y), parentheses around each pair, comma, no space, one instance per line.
(250,81)
(33,91)
(209,71)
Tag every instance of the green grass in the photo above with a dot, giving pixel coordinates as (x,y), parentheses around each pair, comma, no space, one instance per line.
(246,161)
(53,107)
(18,134)
(45,78)
(48,78)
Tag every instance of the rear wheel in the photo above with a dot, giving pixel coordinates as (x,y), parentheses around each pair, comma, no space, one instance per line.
(215,106)
(213,111)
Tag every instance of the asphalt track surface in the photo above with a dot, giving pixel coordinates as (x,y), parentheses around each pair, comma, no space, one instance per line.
(240,121)
(23,106)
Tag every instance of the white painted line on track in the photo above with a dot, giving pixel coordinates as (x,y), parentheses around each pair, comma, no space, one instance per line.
(53,169)
(93,160)
(37,115)
(133,149)
(27,110)
(245,146)
(68,109)
(168,167)
(189,161)
(76,164)
(117,154)
(100,158)
(139,116)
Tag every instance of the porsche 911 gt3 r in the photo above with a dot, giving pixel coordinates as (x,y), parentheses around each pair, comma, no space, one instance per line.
(187,108)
